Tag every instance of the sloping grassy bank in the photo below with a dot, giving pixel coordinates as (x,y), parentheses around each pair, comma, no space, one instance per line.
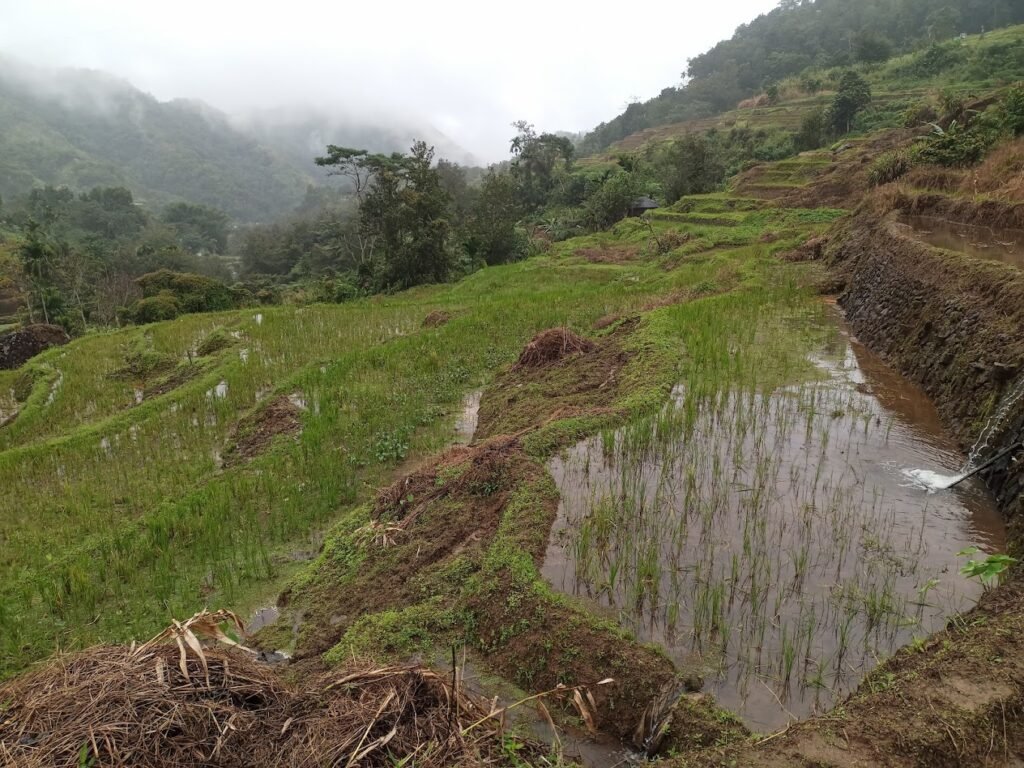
(119,511)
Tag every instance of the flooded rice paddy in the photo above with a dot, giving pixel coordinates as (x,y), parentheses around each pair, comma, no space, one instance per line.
(993,244)
(773,543)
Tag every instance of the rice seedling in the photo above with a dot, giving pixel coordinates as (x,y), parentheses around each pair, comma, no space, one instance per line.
(769,491)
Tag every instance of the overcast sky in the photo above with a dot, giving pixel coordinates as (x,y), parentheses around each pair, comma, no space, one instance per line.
(467,68)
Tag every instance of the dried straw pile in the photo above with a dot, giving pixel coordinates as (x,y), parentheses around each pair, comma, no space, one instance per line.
(550,346)
(180,704)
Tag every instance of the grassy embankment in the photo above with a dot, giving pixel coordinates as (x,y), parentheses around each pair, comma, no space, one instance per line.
(118,514)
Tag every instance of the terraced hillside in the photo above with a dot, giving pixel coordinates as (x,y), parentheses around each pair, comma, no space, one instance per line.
(899,87)
(673,466)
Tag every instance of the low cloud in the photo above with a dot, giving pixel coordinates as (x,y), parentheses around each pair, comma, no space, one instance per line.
(464,70)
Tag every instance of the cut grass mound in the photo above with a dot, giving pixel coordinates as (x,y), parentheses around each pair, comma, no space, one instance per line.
(550,346)
(436,319)
(116,706)
(564,386)
(254,434)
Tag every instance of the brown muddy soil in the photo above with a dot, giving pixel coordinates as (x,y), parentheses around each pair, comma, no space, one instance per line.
(17,347)
(254,434)
(171,381)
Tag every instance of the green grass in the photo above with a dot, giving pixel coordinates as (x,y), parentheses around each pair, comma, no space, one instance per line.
(117,515)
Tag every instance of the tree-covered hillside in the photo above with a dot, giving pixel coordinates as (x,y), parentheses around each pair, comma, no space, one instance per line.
(83,129)
(796,36)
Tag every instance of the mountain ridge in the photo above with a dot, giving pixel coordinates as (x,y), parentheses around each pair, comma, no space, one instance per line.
(82,128)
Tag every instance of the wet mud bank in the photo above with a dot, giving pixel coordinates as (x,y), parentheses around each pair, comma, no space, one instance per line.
(951,322)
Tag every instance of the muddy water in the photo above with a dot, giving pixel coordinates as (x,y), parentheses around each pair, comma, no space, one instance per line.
(468,417)
(773,544)
(994,244)
(582,748)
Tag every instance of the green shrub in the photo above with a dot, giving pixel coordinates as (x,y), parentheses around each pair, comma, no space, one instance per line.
(214,342)
(888,168)
(612,200)
(142,362)
(192,293)
(919,114)
(153,309)
(956,146)
(936,59)
(1012,110)
(813,129)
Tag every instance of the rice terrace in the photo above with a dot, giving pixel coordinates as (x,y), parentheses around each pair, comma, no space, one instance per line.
(693,440)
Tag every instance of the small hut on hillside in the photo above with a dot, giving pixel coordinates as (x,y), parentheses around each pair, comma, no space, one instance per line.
(641,205)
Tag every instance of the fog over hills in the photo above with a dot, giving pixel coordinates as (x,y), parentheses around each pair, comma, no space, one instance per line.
(83,128)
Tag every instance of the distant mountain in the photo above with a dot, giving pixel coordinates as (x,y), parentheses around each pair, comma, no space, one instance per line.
(84,128)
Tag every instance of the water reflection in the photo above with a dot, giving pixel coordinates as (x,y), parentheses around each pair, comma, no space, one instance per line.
(774,541)
(991,243)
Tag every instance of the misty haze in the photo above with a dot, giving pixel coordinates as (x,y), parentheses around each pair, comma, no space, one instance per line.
(549,384)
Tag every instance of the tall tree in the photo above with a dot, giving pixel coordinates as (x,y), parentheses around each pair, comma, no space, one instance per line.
(403,210)
(852,95)
(38,257)
(537,157)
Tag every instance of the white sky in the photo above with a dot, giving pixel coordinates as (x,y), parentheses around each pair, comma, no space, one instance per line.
(467,68)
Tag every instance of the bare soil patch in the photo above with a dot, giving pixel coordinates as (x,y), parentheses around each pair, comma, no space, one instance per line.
(606,321)
(17,347)
(180,376)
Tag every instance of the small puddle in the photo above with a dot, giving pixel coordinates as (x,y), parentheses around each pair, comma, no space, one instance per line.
(466,421)
(773,543)
(991,243)
(599,751)
(262,617)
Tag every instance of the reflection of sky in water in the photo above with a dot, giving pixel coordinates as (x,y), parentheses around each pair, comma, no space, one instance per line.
(791,515)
